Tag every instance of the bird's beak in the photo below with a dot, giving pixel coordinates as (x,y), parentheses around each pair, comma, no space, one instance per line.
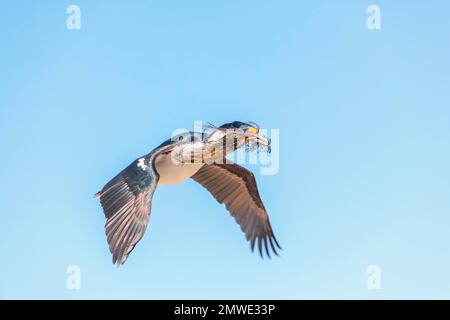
(262,140)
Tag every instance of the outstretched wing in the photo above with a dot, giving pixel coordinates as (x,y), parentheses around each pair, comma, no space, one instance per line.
(126,202)
(235,187)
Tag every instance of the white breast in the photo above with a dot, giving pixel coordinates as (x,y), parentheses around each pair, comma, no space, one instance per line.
(171,173)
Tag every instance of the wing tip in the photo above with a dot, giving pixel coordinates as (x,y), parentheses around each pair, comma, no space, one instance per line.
(117,262)
(263,246)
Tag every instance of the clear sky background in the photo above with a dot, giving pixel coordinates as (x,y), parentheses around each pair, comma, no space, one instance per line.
(364,119)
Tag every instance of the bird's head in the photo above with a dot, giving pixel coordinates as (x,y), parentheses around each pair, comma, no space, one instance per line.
(217,142)
(247,133)
(253,127)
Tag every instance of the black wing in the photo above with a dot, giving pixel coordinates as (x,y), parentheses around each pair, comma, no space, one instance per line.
(236,187)
(126,202)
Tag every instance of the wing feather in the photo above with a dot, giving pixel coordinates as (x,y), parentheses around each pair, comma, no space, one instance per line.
(126,202)
(236,187)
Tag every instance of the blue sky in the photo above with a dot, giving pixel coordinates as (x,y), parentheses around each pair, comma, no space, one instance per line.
(364,145)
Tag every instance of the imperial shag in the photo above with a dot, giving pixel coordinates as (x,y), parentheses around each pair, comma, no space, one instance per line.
(127,198)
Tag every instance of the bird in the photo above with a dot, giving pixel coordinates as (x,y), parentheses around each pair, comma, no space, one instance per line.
(200,155)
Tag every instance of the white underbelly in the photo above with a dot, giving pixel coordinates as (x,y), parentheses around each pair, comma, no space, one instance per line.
(171,173)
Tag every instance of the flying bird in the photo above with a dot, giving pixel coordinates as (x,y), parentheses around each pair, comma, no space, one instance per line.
(127,198)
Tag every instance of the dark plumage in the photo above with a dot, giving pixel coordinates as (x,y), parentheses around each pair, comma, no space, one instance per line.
(127,198)
(235,187)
